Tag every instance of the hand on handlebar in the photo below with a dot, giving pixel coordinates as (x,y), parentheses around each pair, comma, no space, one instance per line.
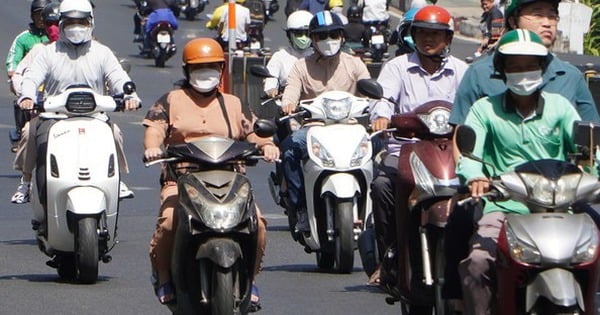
(271,93)
(380,123)
(26,104)
(132,103)
(270,152)
(479,187)
(152,154)
(288,109)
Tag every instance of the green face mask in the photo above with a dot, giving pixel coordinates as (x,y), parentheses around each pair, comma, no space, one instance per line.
(301,42)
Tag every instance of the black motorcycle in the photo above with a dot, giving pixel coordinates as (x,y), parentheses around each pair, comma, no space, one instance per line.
(214,253)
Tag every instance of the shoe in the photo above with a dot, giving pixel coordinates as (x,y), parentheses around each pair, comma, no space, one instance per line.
(125,192)
(22,193)
(166,294)
(254,300)
(302,222)
(138,38)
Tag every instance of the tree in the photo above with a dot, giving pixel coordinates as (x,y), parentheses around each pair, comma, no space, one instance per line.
(591,40)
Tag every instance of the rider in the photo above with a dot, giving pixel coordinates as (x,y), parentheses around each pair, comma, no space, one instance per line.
(375,12)
(282,61)
(175,118)
(401,35)
(327,69)
(491,26)
(540,17)
(161,10)
(75,58)
(521,124)
(23,43)
(357,35)
(51,16)
(242,24)
(480,80)
(430,73)
(19,48)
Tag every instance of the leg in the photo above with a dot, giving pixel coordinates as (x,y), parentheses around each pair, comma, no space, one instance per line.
(161,244)
(383,196)
(478,270)
(25,160)
(294,151)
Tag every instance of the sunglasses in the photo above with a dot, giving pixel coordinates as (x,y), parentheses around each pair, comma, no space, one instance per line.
(330,34)
(300,33)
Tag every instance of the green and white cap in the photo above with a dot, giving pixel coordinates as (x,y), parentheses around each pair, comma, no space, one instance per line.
(521,42)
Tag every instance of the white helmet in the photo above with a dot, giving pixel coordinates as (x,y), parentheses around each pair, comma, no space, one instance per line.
(76,9)
(299,20)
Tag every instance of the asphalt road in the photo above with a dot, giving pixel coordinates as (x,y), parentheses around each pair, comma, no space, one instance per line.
(290,283)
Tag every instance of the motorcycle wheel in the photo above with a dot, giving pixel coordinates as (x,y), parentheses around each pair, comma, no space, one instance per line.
(86,250)
(441,306)
(222,298)
(160,60)
(190,14)
(344,240)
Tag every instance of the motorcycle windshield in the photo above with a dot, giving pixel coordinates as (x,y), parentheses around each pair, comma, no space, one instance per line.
(211,150)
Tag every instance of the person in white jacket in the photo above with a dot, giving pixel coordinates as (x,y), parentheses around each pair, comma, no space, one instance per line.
(283,60)
(75,58)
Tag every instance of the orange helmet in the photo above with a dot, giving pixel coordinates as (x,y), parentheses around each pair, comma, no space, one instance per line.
(433,17)
(202,50)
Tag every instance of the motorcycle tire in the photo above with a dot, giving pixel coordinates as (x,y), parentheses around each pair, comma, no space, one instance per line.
(344,240)
(325,260)
(86,250)
(66,267)
(160,60)
(222,300)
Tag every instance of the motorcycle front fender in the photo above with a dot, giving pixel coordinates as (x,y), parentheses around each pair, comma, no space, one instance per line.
(221,251)
(341,185)
(558,285)
(86,200)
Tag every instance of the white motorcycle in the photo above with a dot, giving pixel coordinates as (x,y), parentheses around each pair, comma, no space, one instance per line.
(75,216)
(337,177)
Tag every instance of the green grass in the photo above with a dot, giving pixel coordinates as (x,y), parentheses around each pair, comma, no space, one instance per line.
(591,40)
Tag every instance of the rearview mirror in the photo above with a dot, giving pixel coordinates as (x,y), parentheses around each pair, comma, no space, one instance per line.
(260,71)
(370,88)
(465,139)
(265,128)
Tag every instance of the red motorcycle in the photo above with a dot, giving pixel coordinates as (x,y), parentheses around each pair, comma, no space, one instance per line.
(426,184)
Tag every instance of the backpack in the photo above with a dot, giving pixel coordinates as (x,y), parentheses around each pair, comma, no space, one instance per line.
(257,10)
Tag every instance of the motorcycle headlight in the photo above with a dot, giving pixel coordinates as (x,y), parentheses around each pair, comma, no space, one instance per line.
(586,251)
(361,151)
(319,151)
(521,251)
(437,121)
(223,216)
(337,109)
(546,192)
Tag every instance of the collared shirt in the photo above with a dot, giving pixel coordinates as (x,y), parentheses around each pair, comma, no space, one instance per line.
(506,139)
(560,77)
(404,80)
(314,75)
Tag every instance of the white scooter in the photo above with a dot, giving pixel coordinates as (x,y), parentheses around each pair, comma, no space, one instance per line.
(75,216)
(337,177)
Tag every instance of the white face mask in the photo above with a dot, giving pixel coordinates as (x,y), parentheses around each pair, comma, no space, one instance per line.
(524,83)
(205,80)
(329,47)
(77,33)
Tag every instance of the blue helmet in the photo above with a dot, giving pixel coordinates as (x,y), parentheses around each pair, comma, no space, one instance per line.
(325,21)
(404,37)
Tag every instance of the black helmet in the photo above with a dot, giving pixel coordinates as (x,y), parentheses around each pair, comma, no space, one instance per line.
(51,12)
(38,5)
(325,21)
(354,13)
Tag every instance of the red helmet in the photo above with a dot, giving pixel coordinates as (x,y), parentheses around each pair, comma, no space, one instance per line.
(433,17)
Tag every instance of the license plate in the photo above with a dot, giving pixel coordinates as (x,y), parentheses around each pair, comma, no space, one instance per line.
(163,38)
(255,45)
(377,39)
